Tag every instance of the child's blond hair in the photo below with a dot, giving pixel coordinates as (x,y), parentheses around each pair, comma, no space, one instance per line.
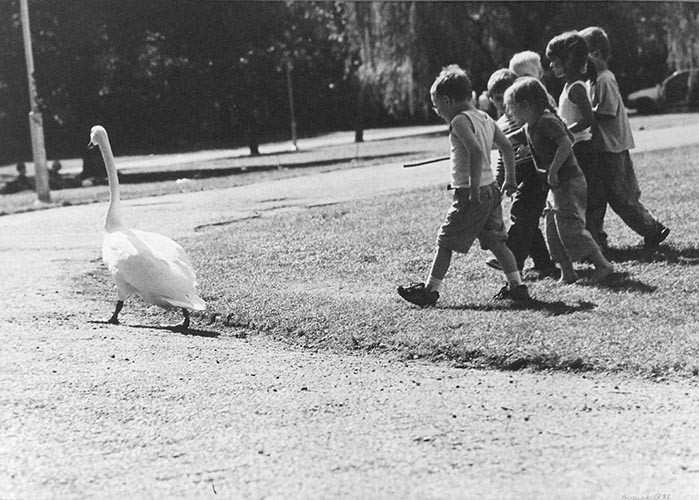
(527,63)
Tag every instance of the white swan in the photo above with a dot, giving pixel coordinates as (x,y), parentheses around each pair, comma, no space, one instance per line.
(147,264)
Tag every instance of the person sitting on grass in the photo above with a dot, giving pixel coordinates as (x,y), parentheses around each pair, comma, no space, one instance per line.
(476,211)
(524,237)
(19,183)
(551,145)
(613,138)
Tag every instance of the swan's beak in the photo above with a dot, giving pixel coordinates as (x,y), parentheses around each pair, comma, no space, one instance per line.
(91,145)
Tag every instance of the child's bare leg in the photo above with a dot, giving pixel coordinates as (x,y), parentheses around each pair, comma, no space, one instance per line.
(603,267)
(440,266)
(507,261)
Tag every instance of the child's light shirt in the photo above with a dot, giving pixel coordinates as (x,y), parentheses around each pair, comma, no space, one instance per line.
(613,135)
(483,127)
(570,112)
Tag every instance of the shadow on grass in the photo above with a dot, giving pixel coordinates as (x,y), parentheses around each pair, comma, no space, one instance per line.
(260,163)
(177,329)
(557,308)
(688,256)
(618,282)
(183,331)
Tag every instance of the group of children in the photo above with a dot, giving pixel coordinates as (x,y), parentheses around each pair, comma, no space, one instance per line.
(567,159)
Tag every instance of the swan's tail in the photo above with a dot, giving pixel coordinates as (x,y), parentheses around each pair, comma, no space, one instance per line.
(191,301)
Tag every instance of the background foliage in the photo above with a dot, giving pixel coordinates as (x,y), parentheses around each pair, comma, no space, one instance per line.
(166,75)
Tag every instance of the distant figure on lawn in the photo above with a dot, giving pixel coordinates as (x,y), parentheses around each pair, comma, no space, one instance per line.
(613,139)
(476,211)
(59,181)
(551,145)
(19,183)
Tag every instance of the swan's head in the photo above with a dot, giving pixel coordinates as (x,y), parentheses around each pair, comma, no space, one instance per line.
(98,135)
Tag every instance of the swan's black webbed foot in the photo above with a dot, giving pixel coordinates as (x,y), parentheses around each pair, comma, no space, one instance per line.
(184,326)
(114,320)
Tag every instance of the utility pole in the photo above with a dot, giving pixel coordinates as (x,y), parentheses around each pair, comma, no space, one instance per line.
(291,103)
(36,123)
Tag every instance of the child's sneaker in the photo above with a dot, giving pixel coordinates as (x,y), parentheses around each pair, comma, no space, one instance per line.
(494,264)
(503,294)
(417,294)
(518,293)
(656,238)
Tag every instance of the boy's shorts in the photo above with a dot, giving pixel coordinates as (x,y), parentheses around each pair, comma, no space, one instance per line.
(466,222)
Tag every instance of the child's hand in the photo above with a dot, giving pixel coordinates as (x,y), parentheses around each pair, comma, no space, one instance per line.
(553,179)
(521,151)
(508,188)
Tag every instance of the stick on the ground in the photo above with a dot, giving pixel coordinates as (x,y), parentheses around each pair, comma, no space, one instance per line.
(417,164)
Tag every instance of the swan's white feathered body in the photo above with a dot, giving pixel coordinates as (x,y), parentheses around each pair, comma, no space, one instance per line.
(147,264)
(151,266)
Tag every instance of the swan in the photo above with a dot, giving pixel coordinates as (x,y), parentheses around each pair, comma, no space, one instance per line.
(147,264)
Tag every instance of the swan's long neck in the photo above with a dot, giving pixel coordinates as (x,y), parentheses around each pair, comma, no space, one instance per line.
(114,219)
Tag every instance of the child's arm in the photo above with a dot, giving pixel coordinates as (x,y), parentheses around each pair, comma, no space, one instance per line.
(578,96)
(563,151)
(507,152)
(461,128)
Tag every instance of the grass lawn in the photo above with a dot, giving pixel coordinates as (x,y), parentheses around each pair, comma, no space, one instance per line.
(326,277)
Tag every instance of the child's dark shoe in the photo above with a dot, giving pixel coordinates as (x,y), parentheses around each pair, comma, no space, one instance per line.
(520,293)
(517,293)
(656,238)
(494,264)
(417,294)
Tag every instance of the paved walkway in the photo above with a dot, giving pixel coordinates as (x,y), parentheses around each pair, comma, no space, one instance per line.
(96,411)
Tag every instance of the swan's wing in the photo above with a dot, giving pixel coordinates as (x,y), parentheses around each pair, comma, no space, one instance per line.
(164,248)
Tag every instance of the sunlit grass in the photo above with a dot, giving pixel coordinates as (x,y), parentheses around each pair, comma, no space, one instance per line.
(326,277)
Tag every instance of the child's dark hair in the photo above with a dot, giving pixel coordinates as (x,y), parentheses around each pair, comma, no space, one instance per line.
(500,80)
(597,41)
(453,82)
(568,46)
(531,90)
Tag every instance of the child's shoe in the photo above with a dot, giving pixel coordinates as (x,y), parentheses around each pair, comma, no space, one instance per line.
(417,294)
(518,293)
(494,264)
(656,238)
(503,294)
(601,274)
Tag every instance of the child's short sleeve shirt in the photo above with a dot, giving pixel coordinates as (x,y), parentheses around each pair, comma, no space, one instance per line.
(542,136)
(613,135)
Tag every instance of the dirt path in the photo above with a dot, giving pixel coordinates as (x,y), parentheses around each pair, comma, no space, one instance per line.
(95,411)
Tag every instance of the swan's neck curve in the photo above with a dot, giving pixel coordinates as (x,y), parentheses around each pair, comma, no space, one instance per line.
(114,219)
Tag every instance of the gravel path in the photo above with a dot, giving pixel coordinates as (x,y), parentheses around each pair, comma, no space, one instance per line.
(95,411)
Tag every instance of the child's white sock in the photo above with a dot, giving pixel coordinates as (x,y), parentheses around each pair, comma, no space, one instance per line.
(514,278)
(433,284)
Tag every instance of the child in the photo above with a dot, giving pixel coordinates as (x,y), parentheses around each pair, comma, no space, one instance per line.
(476,210)
(614,140)
(528,63)
(552,148)
(568,55)
(524,236)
